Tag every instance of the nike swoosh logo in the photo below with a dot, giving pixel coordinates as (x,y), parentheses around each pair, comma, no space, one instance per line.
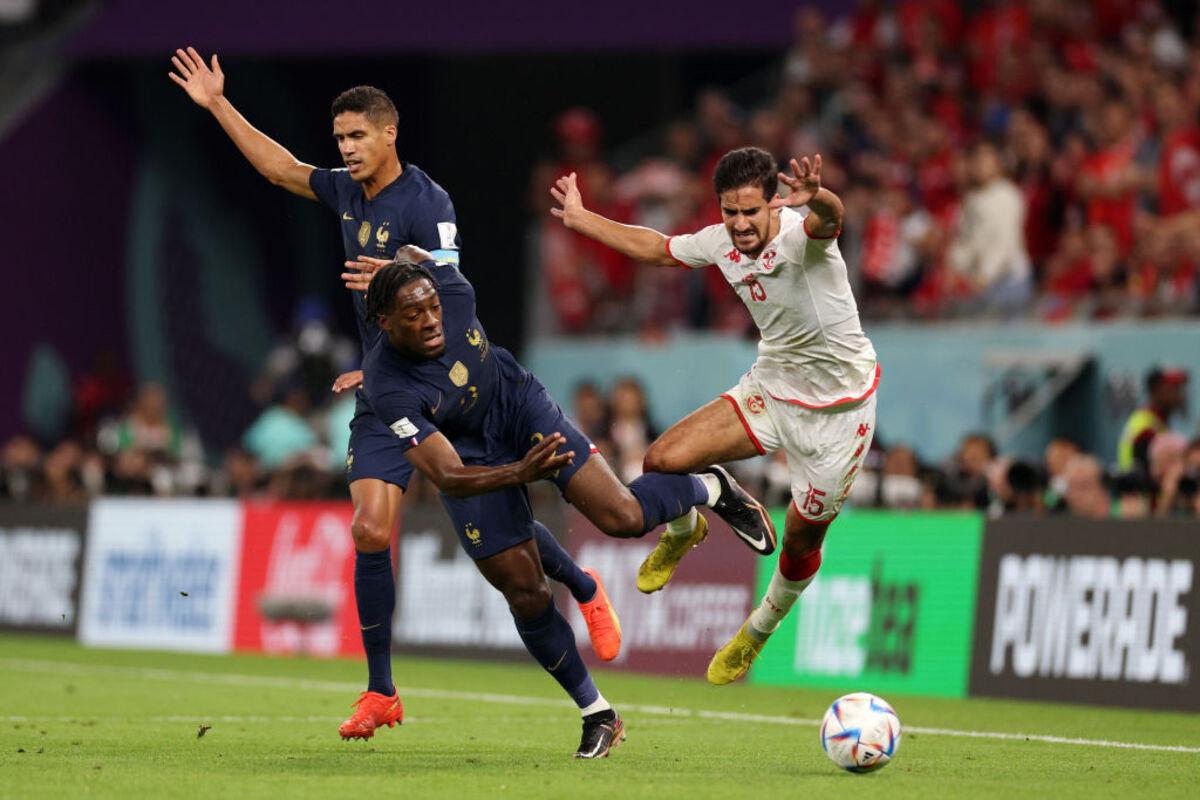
(436,406)
(762,544)
(559,663)
(370,627)
(346,216)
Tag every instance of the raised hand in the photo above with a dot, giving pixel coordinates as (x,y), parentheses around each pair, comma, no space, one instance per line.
(348,380)
(565,191)
(202,83)
(805,182)
(542,462)
(357,277)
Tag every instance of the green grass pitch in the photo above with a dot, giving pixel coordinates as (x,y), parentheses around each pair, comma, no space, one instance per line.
(103,723)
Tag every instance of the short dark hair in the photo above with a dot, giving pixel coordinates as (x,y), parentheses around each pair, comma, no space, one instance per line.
(381,294)
(747,166)
(369,101)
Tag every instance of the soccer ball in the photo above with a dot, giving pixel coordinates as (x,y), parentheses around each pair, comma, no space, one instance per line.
(860,732)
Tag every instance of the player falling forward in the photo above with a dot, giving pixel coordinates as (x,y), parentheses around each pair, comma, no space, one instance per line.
(811,392)
(467,413)
(383,203)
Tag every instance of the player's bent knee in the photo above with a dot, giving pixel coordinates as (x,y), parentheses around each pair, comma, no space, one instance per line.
(660,459)
(370,536)
(527,602)
(623,520)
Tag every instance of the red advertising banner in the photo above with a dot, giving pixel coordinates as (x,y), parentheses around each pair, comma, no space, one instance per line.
(674,631)
(296,586)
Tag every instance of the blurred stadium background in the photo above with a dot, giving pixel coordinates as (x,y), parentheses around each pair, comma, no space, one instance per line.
(1022,184)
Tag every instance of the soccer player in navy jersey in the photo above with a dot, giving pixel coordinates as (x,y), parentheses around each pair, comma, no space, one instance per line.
(382,203)
(481,426)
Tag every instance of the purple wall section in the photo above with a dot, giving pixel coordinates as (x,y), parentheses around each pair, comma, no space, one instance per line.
(275,27)
(63,211)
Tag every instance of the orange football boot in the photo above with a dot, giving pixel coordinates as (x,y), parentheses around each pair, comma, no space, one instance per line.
(604,628)
(372,710)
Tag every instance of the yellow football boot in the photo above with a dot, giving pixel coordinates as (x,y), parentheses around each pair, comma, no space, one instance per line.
(660,565)
(734,659)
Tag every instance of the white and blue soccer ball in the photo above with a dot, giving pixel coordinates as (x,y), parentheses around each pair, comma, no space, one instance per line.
(860,732)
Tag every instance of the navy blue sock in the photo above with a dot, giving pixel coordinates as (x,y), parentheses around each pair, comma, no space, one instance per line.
(375,594)
(549,639)
(665,497)
(559,566)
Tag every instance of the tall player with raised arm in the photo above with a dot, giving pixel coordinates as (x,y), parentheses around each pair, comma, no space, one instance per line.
(811,392)
(382,203)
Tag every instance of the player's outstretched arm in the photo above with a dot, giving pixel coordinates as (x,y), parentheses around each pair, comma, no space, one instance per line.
(640,244)
(205,84)
(437,460)
(825,207)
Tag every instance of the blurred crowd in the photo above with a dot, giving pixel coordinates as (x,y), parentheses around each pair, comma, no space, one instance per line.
(284,455)
(122,439)
(1012,158)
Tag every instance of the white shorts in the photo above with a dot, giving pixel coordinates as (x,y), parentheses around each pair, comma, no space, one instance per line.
(824,447)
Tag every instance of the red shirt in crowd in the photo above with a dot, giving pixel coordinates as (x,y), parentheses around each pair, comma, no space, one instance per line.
(1113,212)
(1179,172)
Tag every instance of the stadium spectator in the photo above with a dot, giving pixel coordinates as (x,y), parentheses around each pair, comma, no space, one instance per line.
(630,429)
(1093,109)
(589,409)
(897,485)
(21,479)
(282,431)
(988,250)
(1058,454)
(152,452)
(1025,488)
(969,471)
(1165,396)
(1086,494)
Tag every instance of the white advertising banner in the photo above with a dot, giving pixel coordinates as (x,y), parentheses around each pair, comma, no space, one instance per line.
(161,574)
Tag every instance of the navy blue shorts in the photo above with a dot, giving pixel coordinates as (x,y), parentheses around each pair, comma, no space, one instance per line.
(538,417)
(489,523)
(375,452)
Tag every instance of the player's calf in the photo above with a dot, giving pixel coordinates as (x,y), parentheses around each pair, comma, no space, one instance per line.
(792,576)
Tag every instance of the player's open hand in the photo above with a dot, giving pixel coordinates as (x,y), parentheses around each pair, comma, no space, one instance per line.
(348,380)
(542,461)
(202,83)
(358,274)
(805,182)
(565,192)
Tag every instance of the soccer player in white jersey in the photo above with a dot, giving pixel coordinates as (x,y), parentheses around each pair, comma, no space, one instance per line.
(810,393)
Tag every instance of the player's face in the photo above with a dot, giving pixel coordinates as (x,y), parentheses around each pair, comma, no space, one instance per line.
(747,218)
(363,144)
(414,327)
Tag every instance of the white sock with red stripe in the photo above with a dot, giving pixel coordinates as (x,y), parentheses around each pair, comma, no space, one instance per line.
(782,593)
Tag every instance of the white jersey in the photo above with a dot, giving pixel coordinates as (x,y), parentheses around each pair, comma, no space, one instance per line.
(813,351)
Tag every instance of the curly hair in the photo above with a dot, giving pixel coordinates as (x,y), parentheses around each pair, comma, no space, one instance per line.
(381,294)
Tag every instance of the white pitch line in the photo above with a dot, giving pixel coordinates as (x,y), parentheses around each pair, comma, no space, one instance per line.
(266,681)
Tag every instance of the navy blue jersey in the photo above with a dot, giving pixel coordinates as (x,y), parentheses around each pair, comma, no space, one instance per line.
(471,393)
(412,209)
